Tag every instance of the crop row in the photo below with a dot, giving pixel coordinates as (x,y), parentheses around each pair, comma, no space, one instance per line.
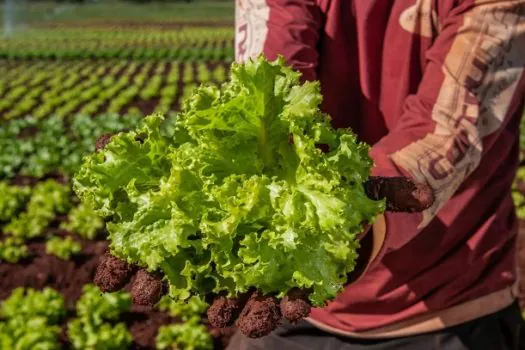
(42,88)
(31,319)
(138,43)
(27,212)
(38,147)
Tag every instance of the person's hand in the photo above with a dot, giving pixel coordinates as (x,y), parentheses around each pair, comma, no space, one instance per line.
(255,314)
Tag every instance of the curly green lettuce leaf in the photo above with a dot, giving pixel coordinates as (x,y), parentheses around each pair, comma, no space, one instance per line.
(239,193)
(36,147)
(137,157)
(95,326)
(32,334)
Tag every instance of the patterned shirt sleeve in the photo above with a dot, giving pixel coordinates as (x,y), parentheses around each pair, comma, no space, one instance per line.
(472,85)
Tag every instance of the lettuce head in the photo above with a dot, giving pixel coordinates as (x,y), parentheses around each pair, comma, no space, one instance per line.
(249,186)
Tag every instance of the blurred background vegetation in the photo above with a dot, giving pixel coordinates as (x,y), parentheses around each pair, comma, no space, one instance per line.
(17,13)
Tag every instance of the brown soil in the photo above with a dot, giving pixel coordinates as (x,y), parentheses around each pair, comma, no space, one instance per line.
(40,270)
(24,180)
(145,106)
(102,141)
(27,132)
(144,323)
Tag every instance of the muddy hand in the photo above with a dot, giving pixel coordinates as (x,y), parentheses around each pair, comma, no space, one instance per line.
(257,315)
(401,193)
(113,274)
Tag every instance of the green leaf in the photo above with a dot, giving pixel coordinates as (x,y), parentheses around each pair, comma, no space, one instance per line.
(184,310)
(84,335)
(92,329)
(54,145)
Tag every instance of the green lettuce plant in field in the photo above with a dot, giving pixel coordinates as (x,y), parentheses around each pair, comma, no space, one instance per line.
(48,199)
(190,335)
(29,320)
(12,200)
(25,213)
(36,147)
(12,249)
(87,336)
(83,221)
(63,248)
(183,310)
(517,195)
(518,188)
(239,193)
(96,326)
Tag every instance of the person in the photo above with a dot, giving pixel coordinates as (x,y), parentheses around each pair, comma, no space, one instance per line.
(437,87)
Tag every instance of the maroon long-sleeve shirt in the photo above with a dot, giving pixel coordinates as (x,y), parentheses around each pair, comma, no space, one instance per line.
(436,86)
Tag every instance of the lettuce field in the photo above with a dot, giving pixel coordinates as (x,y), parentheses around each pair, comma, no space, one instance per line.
(42,88)
(67,79)
(64,83)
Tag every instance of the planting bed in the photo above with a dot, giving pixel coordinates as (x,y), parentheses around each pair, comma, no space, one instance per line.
(121,41)
(42,88)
